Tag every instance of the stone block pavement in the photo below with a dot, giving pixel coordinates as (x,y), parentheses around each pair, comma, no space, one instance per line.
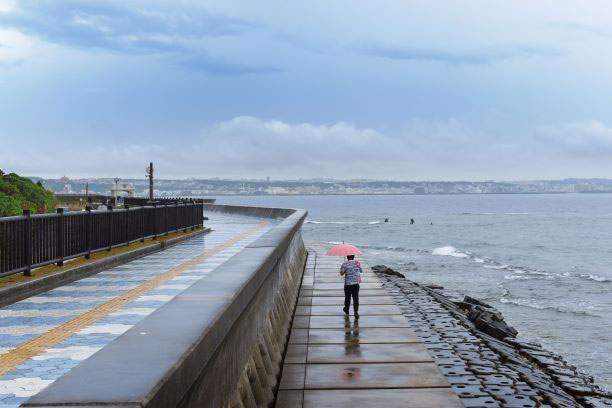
(45,336)
(335,360)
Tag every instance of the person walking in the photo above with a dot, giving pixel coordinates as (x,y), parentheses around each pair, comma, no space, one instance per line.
(351,270)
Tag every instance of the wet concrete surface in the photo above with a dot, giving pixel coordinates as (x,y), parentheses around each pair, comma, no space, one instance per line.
(365,335)
(332,322)
(340,292)
(396,375)
(335,301)
(338,360)
(389,398)
(355,352)
(371,310)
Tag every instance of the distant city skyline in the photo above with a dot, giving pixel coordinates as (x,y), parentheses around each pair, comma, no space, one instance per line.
(398,90)
(215,186)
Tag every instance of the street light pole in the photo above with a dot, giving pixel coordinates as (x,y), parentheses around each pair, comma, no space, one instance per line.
(149,171)
(116,187)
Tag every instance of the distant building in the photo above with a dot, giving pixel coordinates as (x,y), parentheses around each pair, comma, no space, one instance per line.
(123,188)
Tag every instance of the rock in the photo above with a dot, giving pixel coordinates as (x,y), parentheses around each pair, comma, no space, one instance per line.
(386,270)
(482,359)
(595,402)
(471,300)
(523,344)
(411,266)
(491,322)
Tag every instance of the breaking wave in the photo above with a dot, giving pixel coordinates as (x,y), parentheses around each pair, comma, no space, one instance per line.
(327,222)
(535,305)
(493,266)
(449,251)
(491,213)
(513,273)
(517,272)
(516,277)
(383,248)
(595,278)
(343,222)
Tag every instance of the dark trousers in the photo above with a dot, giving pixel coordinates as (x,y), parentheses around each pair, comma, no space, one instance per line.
(351,290)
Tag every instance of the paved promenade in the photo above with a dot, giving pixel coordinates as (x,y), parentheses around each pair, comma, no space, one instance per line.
(338,361)
(45,336)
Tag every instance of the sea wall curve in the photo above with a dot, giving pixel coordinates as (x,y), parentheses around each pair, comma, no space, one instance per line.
(218,343)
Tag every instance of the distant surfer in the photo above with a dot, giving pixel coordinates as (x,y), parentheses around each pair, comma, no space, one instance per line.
(386,220)
(411,221)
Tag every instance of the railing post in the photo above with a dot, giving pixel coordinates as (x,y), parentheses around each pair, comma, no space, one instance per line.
(155,221)
(88,231)
(184,217)
(166,218)
(27,243)
(193,215)
(110,227)
(201,215)
(142,223)
(60,237)
(127,224)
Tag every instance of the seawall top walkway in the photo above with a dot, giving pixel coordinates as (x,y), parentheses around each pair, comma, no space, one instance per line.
(45,336)
(334,360)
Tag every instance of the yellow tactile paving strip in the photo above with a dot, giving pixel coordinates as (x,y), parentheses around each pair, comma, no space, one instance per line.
(25,351)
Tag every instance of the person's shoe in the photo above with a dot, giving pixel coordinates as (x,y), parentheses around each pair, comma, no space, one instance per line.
(346,311)
(356,315)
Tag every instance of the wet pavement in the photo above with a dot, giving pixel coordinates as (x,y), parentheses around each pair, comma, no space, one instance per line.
(337,360)
(45,336)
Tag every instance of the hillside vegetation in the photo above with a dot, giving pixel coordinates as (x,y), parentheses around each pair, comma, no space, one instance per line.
(19,193)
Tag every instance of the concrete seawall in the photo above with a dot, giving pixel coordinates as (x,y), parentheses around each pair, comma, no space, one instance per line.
(219,342)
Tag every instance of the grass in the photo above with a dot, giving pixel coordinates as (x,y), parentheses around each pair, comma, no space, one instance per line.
(51,269)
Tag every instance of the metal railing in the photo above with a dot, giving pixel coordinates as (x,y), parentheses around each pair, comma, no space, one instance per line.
(33,240)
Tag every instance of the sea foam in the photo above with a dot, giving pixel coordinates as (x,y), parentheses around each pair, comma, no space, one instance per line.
(595,278)
(449,251)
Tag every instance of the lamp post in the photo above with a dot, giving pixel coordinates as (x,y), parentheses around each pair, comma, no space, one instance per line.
(149,174)
(116,188)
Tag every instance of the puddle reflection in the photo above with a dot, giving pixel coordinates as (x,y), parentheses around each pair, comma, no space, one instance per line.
(352,347)
(351,337)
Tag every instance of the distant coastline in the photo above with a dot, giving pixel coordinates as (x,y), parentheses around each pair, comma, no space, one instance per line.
(304,187)
(403,194)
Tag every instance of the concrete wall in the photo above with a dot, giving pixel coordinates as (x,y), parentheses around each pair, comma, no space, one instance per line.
(262,212)
(219,343)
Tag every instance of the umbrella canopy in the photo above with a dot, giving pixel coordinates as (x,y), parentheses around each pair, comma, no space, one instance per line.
(343,250)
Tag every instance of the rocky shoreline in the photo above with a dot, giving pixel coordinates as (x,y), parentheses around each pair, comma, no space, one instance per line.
(480,356)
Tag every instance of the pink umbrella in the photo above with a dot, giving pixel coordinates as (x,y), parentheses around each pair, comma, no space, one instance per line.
(343,250)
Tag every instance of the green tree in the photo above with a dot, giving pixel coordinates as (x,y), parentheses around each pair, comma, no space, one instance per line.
(18,193)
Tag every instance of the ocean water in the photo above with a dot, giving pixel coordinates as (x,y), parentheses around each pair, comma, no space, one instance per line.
(545,261)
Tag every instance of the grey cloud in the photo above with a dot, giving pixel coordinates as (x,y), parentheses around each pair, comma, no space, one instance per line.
(253,147)
(250,146)
(460,57)
(175,33)
(117,26)
(590,139)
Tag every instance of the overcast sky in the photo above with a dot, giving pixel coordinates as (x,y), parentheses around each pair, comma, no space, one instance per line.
(406,90)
